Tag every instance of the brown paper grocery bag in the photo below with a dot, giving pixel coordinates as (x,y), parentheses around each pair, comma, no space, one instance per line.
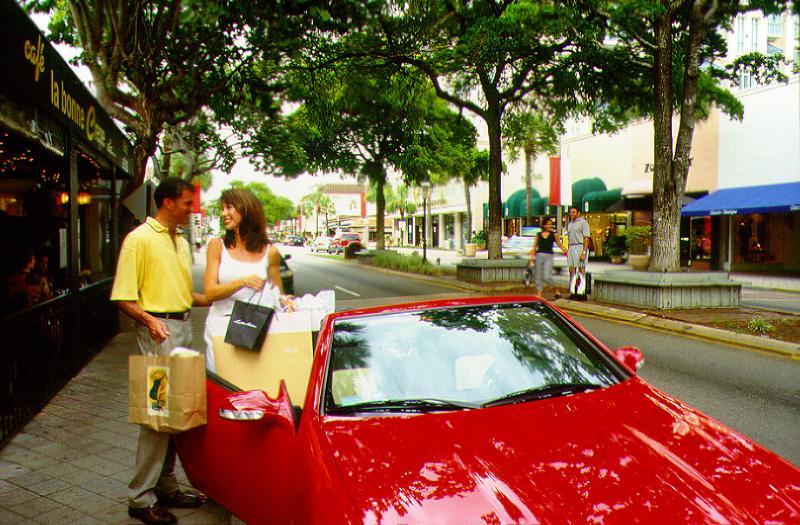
(167,394)
(286,354)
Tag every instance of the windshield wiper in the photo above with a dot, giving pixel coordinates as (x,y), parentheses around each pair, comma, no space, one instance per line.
(541,392)
(407,405)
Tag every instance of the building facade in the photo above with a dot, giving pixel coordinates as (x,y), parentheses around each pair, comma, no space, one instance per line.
(63,167)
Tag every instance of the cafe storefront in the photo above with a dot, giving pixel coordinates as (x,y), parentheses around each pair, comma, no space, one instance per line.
(63,166)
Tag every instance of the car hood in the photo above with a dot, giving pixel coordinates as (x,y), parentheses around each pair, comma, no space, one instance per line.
(625,454)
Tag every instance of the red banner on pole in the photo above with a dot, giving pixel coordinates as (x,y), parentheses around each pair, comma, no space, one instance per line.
(555,181)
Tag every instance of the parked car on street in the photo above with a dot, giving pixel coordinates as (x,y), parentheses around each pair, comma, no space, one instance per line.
(478,410)
(340,242)
(321,244)
(287,275)
(518,247)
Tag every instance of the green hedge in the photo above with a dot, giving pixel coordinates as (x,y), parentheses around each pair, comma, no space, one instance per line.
(404,263)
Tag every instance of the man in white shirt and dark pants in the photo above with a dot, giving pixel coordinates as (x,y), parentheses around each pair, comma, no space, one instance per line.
(578,234)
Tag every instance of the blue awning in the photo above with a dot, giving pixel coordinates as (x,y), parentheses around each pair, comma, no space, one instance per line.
(772,198)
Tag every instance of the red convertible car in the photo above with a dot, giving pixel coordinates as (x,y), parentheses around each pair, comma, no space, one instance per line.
(482,410)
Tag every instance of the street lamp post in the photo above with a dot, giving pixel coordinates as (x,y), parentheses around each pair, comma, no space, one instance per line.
(425,187)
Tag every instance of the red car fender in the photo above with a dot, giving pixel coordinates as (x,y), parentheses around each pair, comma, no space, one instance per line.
(319,495)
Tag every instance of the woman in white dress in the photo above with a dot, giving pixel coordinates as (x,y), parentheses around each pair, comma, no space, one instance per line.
(240,264)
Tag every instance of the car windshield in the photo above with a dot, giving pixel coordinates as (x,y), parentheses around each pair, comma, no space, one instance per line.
(460,358)
(350,236)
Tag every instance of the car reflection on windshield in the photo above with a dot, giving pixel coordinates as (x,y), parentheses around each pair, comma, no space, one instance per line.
(460,358)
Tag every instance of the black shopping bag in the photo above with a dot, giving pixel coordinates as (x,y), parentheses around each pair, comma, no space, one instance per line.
(248,325)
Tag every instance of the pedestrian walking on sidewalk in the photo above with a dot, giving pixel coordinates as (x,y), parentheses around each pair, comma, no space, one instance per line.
(578,234)
(542,258)
(153,286)
(239,264)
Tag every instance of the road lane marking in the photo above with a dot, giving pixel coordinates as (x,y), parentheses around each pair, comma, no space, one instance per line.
(345,290)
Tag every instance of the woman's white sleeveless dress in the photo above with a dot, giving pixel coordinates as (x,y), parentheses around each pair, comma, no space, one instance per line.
(219,314)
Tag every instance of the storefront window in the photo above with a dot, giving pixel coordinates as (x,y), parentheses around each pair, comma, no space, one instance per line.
(33,224)
(700,238)
(753,240)
(94,221)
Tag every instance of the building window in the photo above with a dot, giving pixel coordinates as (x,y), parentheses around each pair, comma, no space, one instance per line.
(744,80)
(772,50)
(754,35)
(740,34)
(774,25)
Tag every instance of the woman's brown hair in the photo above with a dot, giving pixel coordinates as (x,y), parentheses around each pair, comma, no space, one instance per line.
(253,228)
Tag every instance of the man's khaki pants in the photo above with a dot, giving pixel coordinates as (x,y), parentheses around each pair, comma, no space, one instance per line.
(155,457)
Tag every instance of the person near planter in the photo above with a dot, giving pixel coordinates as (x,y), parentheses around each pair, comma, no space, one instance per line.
(542,258)
(578,234)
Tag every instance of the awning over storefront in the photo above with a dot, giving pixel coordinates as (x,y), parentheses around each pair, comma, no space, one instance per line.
(772,198)
(515,204)
(585,186)
(596,201)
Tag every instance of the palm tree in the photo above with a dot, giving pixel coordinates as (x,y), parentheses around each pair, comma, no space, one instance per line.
(534,134)
(399,201)
(316,203)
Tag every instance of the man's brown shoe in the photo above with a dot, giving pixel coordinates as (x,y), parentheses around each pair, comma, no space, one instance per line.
(188,499)
(154,515)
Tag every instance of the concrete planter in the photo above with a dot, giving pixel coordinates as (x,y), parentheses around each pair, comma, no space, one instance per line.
(482,271)
(667,290)
(639,262)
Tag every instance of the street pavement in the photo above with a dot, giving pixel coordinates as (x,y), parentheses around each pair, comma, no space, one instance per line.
(72,462)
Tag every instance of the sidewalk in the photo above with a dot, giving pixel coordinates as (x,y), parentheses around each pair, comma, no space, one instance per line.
(73,461)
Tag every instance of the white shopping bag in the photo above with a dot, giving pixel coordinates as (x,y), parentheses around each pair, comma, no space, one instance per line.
(577,284)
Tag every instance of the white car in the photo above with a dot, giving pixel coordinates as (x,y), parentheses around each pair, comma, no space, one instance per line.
(321,244)
(519,247)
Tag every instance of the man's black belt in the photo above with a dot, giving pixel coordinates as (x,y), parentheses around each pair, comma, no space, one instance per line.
(175,316)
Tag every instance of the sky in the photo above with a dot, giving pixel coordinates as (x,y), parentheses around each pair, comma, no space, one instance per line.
(293,189)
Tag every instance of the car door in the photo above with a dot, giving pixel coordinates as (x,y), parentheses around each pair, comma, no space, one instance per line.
(242,458)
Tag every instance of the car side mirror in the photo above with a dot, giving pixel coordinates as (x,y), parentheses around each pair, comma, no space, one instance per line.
(630,356)
(287,256)
(256,405)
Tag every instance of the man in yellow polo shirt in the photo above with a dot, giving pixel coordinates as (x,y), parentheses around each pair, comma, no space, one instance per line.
(153,286)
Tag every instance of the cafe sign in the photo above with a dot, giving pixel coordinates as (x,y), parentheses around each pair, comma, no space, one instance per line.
(36,70)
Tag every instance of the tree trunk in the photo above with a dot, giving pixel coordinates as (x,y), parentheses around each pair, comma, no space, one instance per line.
(405,226)
(316,215)
(380,206)
(495,175)
(469,213)
(528,183)
(666,254)
(666,209)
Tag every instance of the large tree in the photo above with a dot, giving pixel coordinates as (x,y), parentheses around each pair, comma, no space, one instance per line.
(361,118)
(666,58)
(487,57)
(157,64)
